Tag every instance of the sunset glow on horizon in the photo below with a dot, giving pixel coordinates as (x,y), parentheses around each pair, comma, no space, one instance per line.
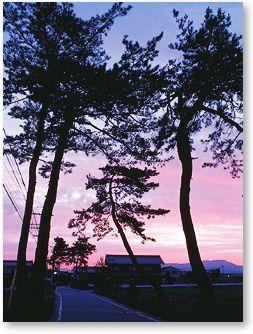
(216,209)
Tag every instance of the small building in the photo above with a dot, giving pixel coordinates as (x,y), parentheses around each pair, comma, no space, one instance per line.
(122,270)
(9,267)
(84,277)
(170,274)
(230,278)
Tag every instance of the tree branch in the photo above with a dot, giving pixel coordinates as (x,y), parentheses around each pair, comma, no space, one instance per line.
(224,117)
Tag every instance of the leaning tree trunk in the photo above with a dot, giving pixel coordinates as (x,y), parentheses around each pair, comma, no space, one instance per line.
(21,273)
(39,268)
(123,236)
(121,231)
(198,269)
(157,286)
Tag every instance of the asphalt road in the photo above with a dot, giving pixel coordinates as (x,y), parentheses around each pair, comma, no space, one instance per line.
(85,306)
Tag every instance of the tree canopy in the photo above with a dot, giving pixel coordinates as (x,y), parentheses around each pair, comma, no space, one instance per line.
(118,195)
(59,253)
(77,254)
(204,88)
(52,58)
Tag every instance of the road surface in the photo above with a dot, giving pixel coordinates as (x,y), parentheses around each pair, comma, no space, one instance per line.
(85,306)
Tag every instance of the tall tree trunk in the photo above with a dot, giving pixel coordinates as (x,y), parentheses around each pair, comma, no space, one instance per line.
(198,269)
(22,247)
(121,231)
(123,236)
(39,268)
(157,286)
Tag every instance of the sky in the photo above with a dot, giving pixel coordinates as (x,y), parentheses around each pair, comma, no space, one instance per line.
(216,198)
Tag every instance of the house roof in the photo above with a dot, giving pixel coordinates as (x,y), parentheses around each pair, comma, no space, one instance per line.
(89,269)
(13,263)
(125,259)
(169,268)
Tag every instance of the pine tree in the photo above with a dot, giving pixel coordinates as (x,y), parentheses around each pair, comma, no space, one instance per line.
(40,38)
(79,252)
(203,94)
(75,105)
(47,55)
(58,253)
(118,193)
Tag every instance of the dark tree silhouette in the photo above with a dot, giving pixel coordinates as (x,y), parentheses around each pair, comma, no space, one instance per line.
(100,264)
(203,93)
(40,39)
(59,253)
(117,194)
(73,48)
(88,123)
(79,252)
(47,57)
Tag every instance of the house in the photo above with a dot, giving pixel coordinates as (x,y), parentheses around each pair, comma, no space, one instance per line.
(230,278)
(170,274)
(9,267)
(122,270)
(82,278)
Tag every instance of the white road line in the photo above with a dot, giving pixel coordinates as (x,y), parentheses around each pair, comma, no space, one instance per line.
(124,308)
(59,313)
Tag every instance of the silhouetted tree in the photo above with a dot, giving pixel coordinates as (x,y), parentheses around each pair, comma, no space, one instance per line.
(89,124)
(41,38)
(76,54)
(73,49)
(59,253)
(79,252)
(117,194)
(100,264)
(203,93)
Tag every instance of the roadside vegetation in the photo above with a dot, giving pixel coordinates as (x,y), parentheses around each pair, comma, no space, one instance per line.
(182,303)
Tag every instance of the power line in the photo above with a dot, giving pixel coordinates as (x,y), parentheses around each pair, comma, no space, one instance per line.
(16,163)
(17,198)
(7,181)
(11,181)
(12,202)
(16,208)
(8,176)
(11,166)
(33,223)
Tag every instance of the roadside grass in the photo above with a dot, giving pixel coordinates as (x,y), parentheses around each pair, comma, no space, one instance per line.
(181,304)
(229,293)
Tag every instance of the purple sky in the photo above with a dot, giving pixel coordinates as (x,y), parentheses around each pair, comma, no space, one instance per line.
(216,200)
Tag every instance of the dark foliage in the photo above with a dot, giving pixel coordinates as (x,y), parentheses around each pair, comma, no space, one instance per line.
(203,93)
(118,193)
(204,88)
(100,264)
(79,252)
(56,61)
(53,58)
(59,253)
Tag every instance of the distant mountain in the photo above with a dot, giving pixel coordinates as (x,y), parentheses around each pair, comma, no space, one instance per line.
(225,266)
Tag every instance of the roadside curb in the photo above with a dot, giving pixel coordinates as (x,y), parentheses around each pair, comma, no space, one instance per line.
(57,310)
